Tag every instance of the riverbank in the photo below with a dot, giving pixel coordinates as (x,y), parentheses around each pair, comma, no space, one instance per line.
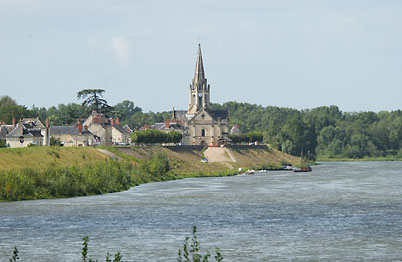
(54,172)
(325,159)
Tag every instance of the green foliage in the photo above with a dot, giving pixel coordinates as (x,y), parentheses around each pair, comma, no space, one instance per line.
(54,141)
(93,100)
(155,137)
(15,256)
(250,137)
(9,110)
(191,252)
(64,114)
(55,181)
(2,143)
(84,253)
(157,166)
(124,111)
(140,119)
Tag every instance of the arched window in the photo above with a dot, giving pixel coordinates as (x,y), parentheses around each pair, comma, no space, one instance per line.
(203,132)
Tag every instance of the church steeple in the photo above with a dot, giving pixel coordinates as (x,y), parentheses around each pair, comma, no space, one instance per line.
(199,66)
(199,89)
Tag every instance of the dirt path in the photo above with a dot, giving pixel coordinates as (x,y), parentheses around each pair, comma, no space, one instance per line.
(110,154)
(218,154)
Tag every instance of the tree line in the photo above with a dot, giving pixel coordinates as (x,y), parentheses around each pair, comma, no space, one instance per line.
(323,131)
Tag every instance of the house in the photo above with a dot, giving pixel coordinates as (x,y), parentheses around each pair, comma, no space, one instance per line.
(5,130)
(99,125)
(36,123)
(76,135)
(107,131)
(120,135)
(23,135)
(235,130)
(200,124)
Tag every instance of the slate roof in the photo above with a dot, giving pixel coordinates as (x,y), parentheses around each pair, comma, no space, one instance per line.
(121,129)
(128,129)
(34,132)
(66,130)
(5,130)
(36,123)
(180,115)
(159,126)
(222,114)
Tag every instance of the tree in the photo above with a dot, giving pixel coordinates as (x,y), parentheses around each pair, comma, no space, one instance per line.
(125,110)
(93,100)
(7,101)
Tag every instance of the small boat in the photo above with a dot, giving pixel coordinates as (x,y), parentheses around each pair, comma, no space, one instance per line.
(303,169)
(304,166)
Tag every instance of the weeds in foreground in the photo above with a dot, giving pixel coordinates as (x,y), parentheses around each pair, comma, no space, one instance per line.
(190,252)
(15,257)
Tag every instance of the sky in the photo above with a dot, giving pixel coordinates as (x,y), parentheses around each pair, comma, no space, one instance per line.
(286,53)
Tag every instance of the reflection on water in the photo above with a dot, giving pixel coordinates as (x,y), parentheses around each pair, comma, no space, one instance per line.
(338,212)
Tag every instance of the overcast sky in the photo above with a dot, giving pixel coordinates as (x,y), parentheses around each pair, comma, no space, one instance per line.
(288,53)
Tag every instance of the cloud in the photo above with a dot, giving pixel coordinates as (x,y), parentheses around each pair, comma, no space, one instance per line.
(120,48)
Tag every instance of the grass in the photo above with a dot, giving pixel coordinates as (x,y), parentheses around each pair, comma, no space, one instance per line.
(41,157)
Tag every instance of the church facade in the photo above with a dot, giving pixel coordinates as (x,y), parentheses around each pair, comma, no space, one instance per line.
(202,125)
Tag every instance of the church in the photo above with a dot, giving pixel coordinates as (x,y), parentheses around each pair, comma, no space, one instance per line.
(200,124)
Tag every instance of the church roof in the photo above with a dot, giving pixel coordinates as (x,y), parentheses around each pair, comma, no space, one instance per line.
(199,66)
(222,114)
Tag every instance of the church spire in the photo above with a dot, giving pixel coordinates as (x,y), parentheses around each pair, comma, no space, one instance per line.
(199,89)
(199,67)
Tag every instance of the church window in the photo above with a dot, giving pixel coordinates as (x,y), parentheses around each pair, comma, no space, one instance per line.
(203,132)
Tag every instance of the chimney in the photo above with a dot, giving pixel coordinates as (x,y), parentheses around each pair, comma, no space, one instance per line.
(14,123)
(47,122)
(111,121)
(117,121)
(20,128)
(167,124)
(78,125)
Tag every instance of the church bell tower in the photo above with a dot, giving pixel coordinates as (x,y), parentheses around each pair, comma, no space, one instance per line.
(199,89)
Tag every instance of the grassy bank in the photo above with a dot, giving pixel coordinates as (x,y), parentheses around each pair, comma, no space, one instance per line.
(42,157)
(53,172)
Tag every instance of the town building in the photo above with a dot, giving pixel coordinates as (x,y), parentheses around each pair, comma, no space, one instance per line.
(75,135)
(200,124)
(120,135)
(24,134)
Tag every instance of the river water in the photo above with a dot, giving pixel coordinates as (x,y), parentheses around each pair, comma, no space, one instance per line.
(339,212)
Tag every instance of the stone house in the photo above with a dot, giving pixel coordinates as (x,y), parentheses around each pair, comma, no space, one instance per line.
(120,136)
(23,135)
(73,135)
(99,125)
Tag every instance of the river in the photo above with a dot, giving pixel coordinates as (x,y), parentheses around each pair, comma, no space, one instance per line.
(347,211)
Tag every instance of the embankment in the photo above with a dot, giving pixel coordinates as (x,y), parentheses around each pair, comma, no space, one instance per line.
(53,172)
(187,159)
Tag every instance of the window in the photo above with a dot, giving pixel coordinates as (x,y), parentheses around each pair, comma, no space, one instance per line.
(203,132)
